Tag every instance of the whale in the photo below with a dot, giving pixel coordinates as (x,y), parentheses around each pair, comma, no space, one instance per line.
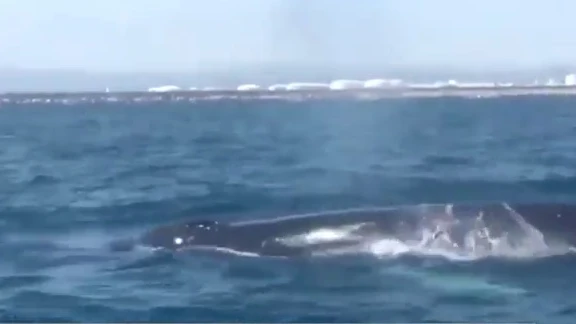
(305,234)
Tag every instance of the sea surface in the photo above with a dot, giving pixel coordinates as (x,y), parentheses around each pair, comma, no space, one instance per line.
(73,178)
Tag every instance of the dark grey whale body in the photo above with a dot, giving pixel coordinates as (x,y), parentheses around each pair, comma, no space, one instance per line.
(556,222)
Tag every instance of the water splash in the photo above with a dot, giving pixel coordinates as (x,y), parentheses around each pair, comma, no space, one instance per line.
(438,234)
(478,241)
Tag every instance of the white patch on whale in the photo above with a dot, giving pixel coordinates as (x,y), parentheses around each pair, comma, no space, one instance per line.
(323,235)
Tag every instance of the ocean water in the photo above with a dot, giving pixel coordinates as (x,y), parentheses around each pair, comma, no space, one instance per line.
(73,178)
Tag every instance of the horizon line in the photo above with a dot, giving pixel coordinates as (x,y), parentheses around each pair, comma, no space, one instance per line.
(492,68)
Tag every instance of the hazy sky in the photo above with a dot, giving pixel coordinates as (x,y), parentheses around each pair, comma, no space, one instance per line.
(173,35)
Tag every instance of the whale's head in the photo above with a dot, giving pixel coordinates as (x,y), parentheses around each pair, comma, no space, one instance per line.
(178,236)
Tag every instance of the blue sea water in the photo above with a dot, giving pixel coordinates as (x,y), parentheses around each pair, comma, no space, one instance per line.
(72,178)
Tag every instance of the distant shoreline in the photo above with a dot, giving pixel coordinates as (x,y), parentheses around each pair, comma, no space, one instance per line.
(292,95)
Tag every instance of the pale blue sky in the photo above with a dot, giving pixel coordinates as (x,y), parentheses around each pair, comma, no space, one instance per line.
(174,35)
